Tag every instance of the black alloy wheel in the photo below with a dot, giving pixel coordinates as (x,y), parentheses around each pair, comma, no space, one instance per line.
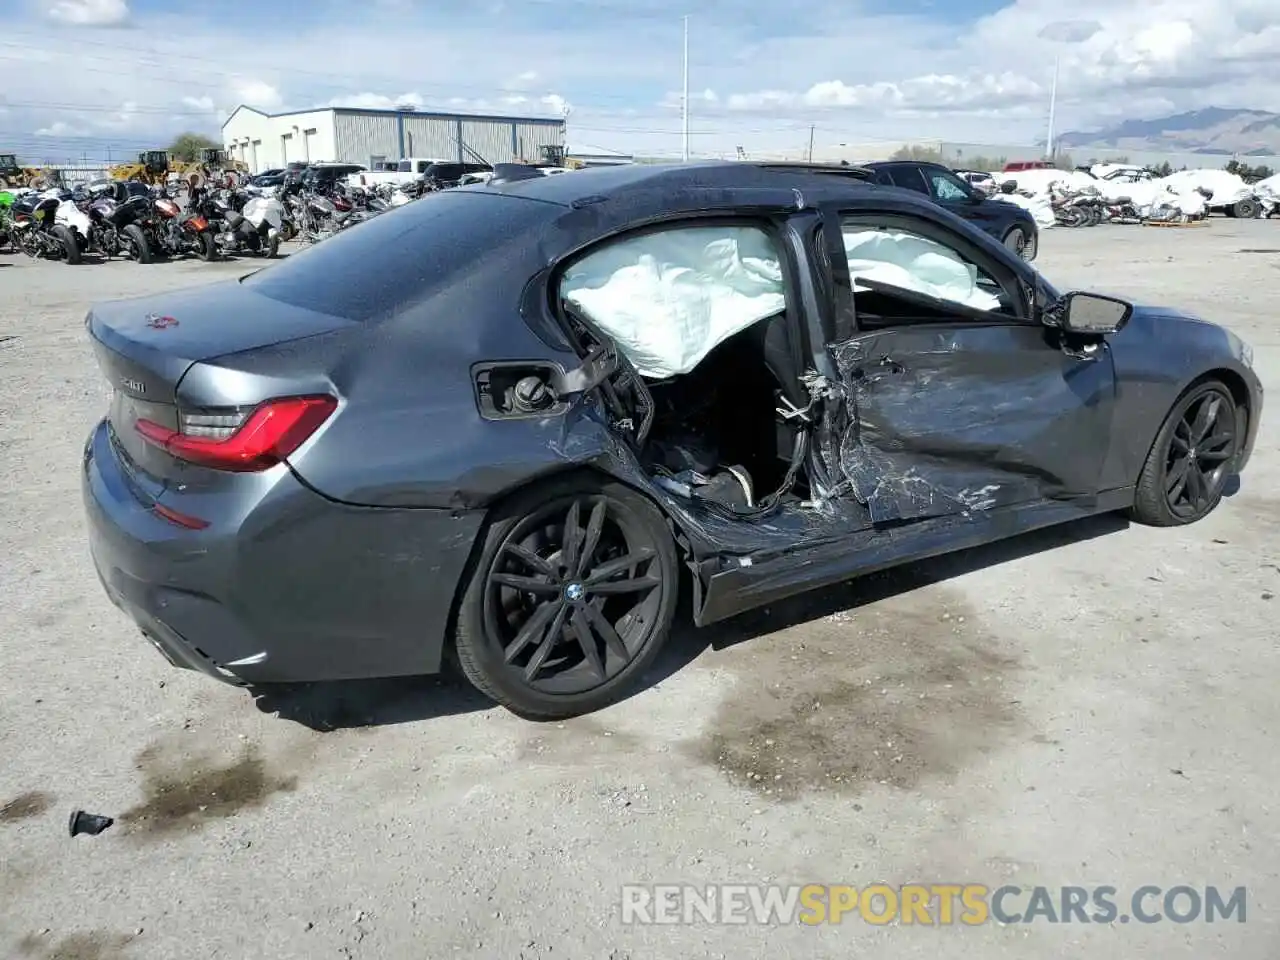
(1191,460)
(573,597)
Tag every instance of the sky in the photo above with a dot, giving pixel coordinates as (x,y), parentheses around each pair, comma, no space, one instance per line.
(102,79)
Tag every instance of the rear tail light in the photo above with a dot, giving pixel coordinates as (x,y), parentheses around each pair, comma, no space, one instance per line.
(239,440)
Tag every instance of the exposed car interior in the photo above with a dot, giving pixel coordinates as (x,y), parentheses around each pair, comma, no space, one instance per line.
(699,314)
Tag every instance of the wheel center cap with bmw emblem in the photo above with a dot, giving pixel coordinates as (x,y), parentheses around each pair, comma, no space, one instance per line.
(574,592)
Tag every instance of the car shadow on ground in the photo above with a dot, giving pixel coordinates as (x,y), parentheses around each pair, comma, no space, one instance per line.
(365,703)
(688,642)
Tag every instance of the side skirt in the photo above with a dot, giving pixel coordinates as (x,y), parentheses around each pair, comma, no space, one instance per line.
(732,585)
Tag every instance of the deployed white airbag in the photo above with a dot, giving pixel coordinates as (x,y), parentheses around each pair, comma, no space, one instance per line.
(914,263)
(667,298)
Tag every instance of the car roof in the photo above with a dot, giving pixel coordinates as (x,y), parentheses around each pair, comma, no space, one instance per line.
(669,182)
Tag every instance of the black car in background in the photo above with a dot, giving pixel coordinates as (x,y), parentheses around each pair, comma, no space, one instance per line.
(320,176)
(441,176)
(1009,223)
(268,178)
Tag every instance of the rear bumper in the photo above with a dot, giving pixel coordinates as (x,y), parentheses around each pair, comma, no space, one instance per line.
(292,587)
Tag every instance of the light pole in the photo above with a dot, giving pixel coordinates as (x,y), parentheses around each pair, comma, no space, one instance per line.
(1053,108)
(685,100)
(1062,31)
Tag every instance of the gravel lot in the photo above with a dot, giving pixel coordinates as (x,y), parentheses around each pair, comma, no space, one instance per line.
(1092,705)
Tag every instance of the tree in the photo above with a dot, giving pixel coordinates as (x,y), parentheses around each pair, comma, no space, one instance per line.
(1162,169)
(1247,173)
(934,155)
(187,146)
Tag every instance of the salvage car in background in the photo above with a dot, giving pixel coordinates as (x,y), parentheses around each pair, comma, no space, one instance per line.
(512,423)
(1012,225)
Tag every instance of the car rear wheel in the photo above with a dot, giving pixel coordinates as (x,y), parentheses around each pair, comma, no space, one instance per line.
(1191,460)
(571,599)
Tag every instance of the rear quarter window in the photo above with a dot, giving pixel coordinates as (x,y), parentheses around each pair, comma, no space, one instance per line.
(377,269)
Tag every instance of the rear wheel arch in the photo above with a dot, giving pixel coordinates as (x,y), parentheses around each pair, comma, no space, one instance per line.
(570,473)
(469,649)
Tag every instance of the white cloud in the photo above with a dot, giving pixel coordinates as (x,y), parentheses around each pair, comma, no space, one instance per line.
(60,128)
(378,101)
(87,13)
(760,77)
(257,93)
(557,104)
(522,81)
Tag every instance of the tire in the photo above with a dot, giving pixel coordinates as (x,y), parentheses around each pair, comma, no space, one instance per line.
(70,245)
(1016,242)
(139,248)
(522,545)
(206,246)
(1183,457)
(1246,209)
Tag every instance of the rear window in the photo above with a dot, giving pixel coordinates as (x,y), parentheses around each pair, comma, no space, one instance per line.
(401,257)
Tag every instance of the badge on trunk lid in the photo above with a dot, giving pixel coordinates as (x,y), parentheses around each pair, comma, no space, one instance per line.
(136,386)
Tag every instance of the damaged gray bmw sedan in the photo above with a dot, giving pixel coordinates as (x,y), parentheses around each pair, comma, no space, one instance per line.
(507,424)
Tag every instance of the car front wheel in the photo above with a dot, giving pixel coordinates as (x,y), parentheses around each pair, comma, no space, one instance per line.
(1191,460)
(1018,242)
(571,599)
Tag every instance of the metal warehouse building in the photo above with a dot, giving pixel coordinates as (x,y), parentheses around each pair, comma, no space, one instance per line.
(267,140)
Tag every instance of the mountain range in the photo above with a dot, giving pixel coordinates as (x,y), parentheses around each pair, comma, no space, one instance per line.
(1213,130)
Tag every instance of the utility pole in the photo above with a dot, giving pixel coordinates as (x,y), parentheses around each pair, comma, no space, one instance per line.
(685,101)
(811,143)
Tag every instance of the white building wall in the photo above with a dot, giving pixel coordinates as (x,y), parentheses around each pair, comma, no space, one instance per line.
(264,142)
(356,136)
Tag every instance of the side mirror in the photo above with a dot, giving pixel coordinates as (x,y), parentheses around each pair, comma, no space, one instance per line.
(1092,313)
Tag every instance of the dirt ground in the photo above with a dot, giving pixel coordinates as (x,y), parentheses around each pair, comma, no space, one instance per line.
(1092,705)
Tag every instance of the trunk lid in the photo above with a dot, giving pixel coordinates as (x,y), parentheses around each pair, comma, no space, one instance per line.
(145,346)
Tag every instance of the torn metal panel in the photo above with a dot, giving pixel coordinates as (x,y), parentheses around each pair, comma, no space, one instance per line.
(958,420)
(586,437)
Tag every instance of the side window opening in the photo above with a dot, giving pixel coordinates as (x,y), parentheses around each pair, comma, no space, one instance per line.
(944,188)
(699,314)
(901,276)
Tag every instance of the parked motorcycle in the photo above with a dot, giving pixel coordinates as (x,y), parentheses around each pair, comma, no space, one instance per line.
(70,215)
(6,218)
(1122,210)
(257,227)
(36,232)
(114,209)
(177,234)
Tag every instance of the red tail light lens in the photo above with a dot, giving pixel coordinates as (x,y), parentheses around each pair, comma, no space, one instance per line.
(269,434)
